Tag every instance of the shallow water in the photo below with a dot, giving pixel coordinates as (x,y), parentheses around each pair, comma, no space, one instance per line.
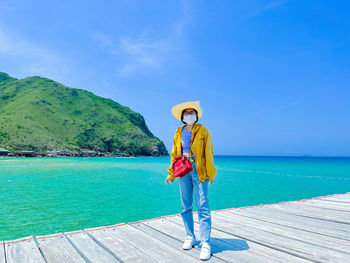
(48,195)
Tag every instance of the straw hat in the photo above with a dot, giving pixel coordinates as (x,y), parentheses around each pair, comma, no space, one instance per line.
(177,109)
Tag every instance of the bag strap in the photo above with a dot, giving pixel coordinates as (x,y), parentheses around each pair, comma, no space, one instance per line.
(191,144)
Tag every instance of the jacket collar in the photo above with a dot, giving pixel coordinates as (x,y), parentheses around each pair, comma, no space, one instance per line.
(195,128)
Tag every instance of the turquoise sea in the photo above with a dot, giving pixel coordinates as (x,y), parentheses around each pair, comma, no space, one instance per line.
(42,196)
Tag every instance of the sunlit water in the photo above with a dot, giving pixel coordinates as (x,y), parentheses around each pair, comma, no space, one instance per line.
(49,195)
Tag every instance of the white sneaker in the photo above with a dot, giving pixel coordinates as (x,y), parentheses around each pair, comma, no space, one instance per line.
(189,242)
(205,251)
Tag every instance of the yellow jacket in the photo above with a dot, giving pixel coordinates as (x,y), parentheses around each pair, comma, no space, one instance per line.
(202,148)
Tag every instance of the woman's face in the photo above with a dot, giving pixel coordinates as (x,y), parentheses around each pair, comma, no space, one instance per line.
(189,111)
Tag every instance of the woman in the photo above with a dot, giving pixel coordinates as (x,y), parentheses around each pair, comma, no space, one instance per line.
(201,157)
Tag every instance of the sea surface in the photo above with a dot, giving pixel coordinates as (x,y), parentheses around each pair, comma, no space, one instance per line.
(42,196)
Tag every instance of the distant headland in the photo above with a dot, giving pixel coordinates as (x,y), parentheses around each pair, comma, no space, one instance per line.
(41,117)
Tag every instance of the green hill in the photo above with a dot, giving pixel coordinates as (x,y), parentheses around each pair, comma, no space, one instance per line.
(39,114)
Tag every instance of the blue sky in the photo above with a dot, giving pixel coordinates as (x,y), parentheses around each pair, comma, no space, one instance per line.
(272,76)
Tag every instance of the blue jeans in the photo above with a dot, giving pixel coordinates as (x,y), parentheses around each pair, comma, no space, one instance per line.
(186,185)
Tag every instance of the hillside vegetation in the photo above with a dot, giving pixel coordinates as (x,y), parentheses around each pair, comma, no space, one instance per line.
(39,114)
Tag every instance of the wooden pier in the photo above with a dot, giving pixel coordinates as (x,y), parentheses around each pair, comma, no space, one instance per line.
(308,230)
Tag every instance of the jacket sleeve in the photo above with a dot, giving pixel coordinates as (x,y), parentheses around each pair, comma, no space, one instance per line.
(209,157)
(172,157)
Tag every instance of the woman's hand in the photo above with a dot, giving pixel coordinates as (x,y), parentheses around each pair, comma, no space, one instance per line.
(167,181)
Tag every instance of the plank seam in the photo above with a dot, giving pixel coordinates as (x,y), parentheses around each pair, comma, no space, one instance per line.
(266,245)
(197,248)
(103,246)
(10,242)
(293,238)
(41,252)
(237,245)
(301,215)
(159,238)
(283,202)
(77,249)
(267,220)
(133,245)
(320,208)
(3,245)
(296,239)
(324,219)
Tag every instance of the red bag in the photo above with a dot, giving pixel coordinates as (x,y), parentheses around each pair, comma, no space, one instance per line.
(181,164)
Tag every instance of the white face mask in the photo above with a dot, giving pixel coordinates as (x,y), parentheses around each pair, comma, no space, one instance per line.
(190,119)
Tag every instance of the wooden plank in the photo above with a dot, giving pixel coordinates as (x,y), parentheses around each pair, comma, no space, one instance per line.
(229,247)
(289,245)
(304,212)
(337,199)
(330,208)
(330,205)
(313,230)
(173,242)
(2,252)
(222,252)
(291,232)
(318,226)
(178,232)
(304,216)
(23,250)
(56,248)
(312,213)
(341,198)
(158,250)
(322,209)
(89,248)
(345,196)
(125,251)
(273,209)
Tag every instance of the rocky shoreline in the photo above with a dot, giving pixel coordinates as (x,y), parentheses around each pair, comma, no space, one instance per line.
(66,154)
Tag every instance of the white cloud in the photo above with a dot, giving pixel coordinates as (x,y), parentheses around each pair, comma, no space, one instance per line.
(28,58)
(269,6)
(142,53)
(149,50)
